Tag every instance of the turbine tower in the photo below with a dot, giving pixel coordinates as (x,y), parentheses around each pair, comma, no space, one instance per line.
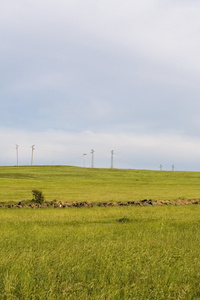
(112,153)
(33,148)
(92,152)
(17,147)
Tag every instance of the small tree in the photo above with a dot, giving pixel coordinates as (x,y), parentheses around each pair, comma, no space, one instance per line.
(38,197)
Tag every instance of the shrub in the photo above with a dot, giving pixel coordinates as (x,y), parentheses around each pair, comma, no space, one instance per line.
(38,197)
(123,220)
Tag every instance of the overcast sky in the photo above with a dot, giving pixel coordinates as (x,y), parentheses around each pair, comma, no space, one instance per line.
(118,75)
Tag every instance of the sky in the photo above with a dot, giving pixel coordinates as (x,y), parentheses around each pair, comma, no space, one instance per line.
(118,75)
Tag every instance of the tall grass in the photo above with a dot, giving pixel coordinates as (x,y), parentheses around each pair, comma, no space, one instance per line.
(86,184)
(89,254)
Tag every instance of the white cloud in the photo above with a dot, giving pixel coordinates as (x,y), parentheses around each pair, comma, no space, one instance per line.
(128,70)
(131,150)
(166,32)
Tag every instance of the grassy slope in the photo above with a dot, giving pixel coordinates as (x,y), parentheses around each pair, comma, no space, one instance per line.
(86,254)
(80,184)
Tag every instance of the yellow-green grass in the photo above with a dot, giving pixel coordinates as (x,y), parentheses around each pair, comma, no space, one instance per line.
(65,183)
(88,254)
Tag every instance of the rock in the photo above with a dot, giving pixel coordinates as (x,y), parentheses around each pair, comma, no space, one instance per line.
(154,203)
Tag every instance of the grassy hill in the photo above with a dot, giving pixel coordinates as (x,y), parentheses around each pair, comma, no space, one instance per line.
(89,253)
(65,183)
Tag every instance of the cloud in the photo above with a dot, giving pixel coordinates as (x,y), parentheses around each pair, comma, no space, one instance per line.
(130,150)
(61,31)
(115,69)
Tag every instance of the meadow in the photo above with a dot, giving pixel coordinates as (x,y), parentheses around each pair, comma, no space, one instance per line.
(149,252)
(100,253)
(65,183)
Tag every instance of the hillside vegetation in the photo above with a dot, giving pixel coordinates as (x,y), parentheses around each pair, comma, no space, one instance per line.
(65,183)
(117,252)
(100,253)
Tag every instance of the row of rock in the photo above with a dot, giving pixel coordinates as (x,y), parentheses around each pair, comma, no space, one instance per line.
(60,204)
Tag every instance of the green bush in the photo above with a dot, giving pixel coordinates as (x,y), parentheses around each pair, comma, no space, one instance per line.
(123,220)
(38,197)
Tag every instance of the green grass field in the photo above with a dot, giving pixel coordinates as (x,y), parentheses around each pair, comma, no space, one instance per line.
(65,183)
(88,254)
